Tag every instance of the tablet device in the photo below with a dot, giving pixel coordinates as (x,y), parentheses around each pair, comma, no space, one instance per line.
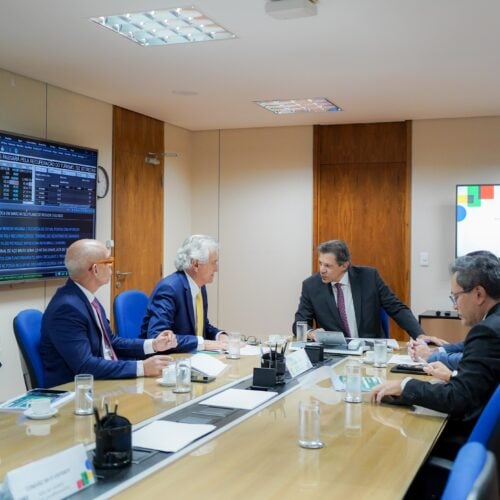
(331,338)
(412,369)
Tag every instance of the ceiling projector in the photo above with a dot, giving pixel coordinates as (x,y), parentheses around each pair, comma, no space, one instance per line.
(291,9)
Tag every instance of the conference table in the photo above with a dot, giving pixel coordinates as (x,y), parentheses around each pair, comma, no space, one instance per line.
(370,450)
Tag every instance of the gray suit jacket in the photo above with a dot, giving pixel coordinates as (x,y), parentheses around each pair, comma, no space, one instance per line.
(369,294)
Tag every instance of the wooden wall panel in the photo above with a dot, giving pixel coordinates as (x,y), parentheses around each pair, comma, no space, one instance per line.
(362,195)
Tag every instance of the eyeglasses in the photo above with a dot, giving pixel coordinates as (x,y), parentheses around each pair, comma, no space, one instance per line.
(109,260)
(454,296)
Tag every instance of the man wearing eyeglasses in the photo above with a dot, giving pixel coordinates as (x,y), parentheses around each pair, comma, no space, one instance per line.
(76,336)
(475,291)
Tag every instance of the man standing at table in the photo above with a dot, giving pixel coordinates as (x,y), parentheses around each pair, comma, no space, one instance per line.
(475,292)
(347,298)
(76,337)
(179,302)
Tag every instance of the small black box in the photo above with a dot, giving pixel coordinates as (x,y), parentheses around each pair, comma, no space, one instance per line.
(315,353)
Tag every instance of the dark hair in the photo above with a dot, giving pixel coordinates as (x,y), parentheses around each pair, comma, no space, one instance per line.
(479,269)
(482,253)
(339,248)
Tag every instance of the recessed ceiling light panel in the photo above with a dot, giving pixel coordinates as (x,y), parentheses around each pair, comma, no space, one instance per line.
(165,27)
(290,106)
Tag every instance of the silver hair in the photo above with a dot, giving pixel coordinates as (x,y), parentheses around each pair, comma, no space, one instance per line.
(478,270)
(81,254)
(196,247)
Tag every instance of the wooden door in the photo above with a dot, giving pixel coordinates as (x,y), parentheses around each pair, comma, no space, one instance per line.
(362,196)
(137,202)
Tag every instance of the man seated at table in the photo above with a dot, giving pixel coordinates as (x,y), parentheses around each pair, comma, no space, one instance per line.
(179,302)
(347,298)
(76,336)
(475,292)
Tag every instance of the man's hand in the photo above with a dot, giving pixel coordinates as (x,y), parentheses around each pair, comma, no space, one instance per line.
(438,370)
(215,345)
(311,335)
(154,365)
(430,339)
(164,341)
(389,388)
(418,351)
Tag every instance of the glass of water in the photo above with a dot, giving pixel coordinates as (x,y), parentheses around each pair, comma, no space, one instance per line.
(301,328)
(183,375)
(309,425)
(233,345)
(380,353)
(353,382)
(84,394)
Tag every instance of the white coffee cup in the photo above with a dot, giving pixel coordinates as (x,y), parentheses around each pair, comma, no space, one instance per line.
(40,407)
(168,375)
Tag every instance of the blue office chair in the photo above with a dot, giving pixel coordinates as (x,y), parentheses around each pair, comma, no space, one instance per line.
(384,319)
(27,329)
(129,309)
(473,476)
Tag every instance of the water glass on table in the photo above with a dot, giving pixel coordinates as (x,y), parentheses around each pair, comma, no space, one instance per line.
(309,425)
(233,345)
(183,375)
(380,353)
(353,382)
(84,394)
(301,328)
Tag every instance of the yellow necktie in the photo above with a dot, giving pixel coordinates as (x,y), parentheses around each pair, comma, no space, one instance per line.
(199,315)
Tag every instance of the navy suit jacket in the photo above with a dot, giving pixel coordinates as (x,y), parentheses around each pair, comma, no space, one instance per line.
(465,395)
(71,341)
(170,307)
(369,294)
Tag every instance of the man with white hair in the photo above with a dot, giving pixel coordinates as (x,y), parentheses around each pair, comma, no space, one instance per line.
(179,301)
(76,336)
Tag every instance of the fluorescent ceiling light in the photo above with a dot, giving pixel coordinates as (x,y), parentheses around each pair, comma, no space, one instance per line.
(165,27)
(312,105)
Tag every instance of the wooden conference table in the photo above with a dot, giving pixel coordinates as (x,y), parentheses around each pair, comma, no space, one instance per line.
(370,451)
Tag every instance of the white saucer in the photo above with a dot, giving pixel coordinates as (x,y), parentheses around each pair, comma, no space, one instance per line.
(29,413)
(159,381)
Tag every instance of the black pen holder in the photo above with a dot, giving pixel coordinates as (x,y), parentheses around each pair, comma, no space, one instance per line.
(113,442)
(275,360)
(316,353)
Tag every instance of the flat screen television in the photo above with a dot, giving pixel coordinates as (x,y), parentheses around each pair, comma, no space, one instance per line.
(477,218)
(47,201)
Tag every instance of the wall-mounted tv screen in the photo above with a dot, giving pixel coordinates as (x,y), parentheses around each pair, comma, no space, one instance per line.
(47,201)
(477,218)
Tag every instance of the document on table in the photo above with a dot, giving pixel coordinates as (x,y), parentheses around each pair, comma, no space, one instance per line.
(402,359)
(169,436)
(253,350)
(207,364)
(239,398)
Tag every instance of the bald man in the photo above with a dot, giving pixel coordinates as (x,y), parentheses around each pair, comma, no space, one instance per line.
(76,336)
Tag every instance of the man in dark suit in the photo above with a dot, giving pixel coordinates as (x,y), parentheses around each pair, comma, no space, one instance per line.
(475,293)
(179,301)
(76,337)
(347,298)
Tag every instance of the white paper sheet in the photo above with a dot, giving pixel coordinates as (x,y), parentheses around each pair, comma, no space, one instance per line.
(169,436)
(207,364)
(402,359)
(253,350)
(239,398)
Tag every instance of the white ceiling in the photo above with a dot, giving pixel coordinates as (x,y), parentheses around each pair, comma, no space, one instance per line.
(379,60)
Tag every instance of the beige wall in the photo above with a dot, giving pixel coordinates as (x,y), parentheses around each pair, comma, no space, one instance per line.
(445,153)
(34,108)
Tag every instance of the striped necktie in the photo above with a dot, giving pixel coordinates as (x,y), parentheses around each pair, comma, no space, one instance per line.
(107,342)
(200,320)
(341,308)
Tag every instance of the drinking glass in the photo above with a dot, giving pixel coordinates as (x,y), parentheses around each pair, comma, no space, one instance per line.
(84,394)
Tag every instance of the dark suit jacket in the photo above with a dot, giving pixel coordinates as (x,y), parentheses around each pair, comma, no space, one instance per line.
(71,341)
(170,307)
(369,294)
(478,375)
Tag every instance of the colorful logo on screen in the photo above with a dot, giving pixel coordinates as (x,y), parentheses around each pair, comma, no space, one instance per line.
(86,476)
(471,196)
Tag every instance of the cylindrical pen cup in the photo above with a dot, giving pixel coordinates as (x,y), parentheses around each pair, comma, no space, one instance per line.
(275,360)
(113,443)
(309,425)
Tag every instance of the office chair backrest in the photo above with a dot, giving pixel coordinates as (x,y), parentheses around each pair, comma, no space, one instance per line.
(384,319)
(473,476)
(27,329)
(486,430)
(129,308)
